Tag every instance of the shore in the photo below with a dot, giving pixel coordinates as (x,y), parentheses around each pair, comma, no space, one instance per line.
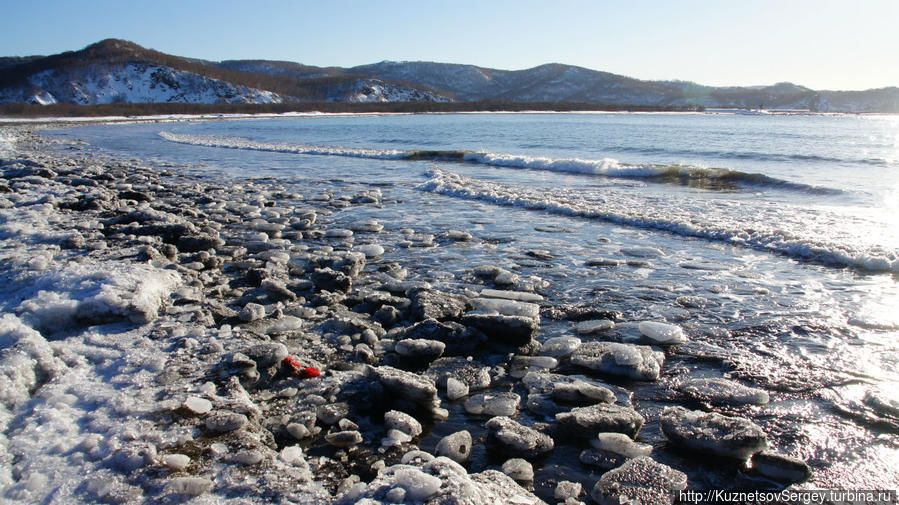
(168,337)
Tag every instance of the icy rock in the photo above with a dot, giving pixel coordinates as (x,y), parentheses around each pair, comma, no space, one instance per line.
(252,312)
(456,389)
(395,438)
(559,347)
(292,455)
(517,438)
(267,354)
(417,456)
(198,405)
(190,486)
(472,373)
(222,422)
(710,432)
(519,469)
(567,388)
(662,333)
(640,480)
(330,280)
(458,338)
(493,404)
(509,330)
(567,489)
(723,392)
(520,296)
(297,430)
(642,252)
(277,291)
(611,450)
(506,307)
(344,439)
(332,413)
(780,467)
(407,386)
(419,486)
(458,236)
(594,326)
(247,457)
(197,243)
(338,233)
(176,461)
(456,446)
(420,349)
(370,250)
(635,362)
(602,262)
(436,305)
(403,422)
(506,278)
(602,417)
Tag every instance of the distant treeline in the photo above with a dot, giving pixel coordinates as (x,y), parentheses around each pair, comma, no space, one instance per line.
(22,110)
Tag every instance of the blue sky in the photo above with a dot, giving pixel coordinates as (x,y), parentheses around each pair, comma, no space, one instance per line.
(823,44)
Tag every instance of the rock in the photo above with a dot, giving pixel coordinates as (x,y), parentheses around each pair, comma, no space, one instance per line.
(457,446)
(277,291)
(403,422)
(723,392)
(602,262)
(473,374)
(519,469)
(222,422)
(197,243)
(267,354)
(602,417)
(637,362)
(493,404)
(456,389)
(330,280)
(662,333)
(411,388)
(252,312)
(298,431)
(640,480)
(611,450)
(344,439)
(518,439)
(567,490)
(387,316)
(436,305)
(709,432)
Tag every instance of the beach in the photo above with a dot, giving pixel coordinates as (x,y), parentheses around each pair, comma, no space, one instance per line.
(172,333)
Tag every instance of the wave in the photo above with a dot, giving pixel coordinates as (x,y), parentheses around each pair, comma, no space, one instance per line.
(751,155)
(760,229)
(692,176)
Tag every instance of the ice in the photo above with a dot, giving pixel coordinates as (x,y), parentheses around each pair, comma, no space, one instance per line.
(619,443)
(370,250)
(420,348)
(511,295)
(292,455)
(176,461)
(567,388)
(780,467)
(723,392)
(344,439)
(506,307)
(221,422)
(456,389)
(517,438)
(519,470)
(567,489)
(662,333)
(559,347)
(418,485)
(640,480)
(602,417)
(493,404)
(403,422)
(593,326)
(456,446)
(191,486)
(613,358)
(733,437)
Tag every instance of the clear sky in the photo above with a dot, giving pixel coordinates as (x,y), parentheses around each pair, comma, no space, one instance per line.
(822,44)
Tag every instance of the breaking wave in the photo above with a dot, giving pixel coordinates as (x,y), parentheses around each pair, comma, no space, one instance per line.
(760,229)
(699,177)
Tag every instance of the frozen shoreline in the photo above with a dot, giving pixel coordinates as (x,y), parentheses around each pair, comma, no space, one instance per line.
(147,317)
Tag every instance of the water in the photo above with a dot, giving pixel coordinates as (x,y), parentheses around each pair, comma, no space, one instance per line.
(773,240)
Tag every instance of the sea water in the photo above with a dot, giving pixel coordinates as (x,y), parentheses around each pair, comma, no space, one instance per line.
(772,240)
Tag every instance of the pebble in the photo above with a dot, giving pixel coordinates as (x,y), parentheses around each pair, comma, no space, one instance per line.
(519,469)
(456,389)
(403,422)
(456,447)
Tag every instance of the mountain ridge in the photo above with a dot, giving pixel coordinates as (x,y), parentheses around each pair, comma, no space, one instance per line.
(115,70)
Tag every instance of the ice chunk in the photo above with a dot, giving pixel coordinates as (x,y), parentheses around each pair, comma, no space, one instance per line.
(567,489)
(639,480)
(519,469)
(222,422)
(456,446)
(292,455)
(559,347)
(780,467)
(567,388)
(402,421)
(636,362)
(594,326)
(662,333)
(191,486)
(602,417)
(176,461)
(723,392)
(511,295)
(610,450)
(733,437)
(370,250)
(420,349)
(344,438)
(419,486)
(506,307)
(493,404)
(517,438)
(456,389)
(252,312)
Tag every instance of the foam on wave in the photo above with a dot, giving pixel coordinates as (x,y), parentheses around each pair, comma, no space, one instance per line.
(643,214)
(706,178)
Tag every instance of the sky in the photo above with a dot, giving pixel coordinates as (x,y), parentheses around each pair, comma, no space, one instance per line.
(822,44)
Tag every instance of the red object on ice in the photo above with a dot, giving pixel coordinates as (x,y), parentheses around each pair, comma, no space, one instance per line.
(299,369)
